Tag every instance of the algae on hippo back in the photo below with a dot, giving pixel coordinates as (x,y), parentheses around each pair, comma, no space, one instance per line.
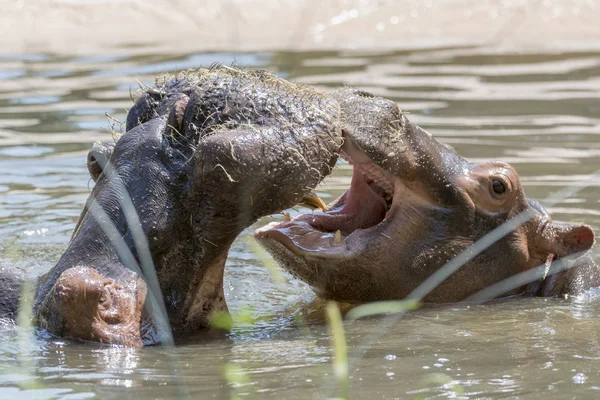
(203,156)
(413,206)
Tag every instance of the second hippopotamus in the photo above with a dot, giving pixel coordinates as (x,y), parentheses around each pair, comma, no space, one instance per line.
(414,205)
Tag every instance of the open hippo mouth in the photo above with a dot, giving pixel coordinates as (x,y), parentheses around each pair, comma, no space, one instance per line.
(363,210)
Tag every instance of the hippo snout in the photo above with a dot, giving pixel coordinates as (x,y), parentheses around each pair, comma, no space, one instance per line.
(87,304)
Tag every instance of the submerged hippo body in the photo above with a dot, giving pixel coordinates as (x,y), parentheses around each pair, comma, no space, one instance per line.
(413,205)
(203,157)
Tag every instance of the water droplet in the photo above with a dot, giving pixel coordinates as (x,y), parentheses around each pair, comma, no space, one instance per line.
(579,378)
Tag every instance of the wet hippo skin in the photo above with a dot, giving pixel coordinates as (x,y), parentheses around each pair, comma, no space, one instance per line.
(203,157)
(413,205)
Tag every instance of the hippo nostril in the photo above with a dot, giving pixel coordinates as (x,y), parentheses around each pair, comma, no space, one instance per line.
(105,299)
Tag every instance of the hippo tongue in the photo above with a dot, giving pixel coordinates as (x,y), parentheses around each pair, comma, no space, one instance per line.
(361,207)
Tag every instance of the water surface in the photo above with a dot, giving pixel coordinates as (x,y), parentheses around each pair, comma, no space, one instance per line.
(539,111)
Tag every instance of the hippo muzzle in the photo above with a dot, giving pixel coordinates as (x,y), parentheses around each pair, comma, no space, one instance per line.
(87,305)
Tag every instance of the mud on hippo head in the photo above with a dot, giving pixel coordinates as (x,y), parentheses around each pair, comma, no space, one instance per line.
(413,205)
(203,157)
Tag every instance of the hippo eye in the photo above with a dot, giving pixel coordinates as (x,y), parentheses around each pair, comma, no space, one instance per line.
(498,187)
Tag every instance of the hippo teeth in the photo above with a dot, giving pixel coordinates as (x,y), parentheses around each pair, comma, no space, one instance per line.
(312,199)
(337,238)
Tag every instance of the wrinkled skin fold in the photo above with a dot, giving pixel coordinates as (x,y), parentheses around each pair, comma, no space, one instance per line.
(413,205)
(203,157)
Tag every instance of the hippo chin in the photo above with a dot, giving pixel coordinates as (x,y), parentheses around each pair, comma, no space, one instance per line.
(203,157)
(413,205)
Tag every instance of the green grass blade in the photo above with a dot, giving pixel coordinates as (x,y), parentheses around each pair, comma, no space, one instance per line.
(340,350)
(383,307)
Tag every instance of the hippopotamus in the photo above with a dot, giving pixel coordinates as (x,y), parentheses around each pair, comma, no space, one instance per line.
(203,157)
(413,205)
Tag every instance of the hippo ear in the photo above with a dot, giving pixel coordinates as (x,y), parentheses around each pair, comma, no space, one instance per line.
(98,157)
(144,109)
(564,239)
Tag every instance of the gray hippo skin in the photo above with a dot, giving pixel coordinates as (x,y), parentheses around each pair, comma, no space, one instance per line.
(203,157)
(413,205)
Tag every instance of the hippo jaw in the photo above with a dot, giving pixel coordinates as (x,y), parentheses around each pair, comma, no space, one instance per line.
(325,248)
(86,305)
(389,232)
(361,213)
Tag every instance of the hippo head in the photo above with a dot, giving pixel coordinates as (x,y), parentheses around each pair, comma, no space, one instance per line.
(203,157)
(412,206)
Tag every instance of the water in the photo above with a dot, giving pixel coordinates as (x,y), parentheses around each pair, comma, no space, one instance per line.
(537,110)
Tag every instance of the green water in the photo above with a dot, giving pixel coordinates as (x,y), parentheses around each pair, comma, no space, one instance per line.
(539,111)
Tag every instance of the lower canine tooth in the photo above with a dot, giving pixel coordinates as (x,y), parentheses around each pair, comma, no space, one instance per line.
(286,217)
(337,238)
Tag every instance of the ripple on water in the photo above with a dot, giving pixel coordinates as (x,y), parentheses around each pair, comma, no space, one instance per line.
(536,109)
(24,151)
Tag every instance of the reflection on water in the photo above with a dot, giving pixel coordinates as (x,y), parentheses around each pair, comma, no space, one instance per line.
(537,111)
